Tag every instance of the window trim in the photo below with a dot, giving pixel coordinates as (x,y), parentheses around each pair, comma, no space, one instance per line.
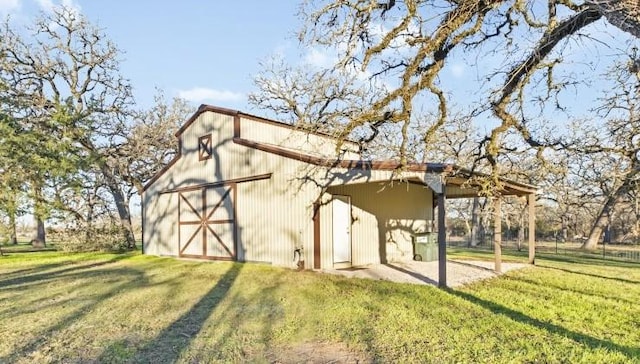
(205,148)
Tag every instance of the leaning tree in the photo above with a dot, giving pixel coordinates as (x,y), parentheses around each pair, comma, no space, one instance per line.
(411,41)
(63,77)
(395,55)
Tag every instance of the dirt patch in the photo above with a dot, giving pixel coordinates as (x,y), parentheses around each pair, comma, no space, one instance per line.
(316,353)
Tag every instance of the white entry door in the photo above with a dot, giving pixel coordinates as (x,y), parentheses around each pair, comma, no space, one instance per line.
(341,229)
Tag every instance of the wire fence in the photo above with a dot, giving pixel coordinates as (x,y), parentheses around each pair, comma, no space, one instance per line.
(618,252)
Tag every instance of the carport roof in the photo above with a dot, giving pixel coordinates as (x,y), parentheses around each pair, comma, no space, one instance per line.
(456,175)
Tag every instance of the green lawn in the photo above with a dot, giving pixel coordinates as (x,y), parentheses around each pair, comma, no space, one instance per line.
(24,247)
(57,307)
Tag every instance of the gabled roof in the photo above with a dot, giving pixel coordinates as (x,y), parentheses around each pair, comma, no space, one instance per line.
(221,110)
(512,187)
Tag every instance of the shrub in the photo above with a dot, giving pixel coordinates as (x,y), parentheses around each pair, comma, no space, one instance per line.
(96,238)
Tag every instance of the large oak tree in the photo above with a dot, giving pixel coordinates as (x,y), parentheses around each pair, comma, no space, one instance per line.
(401,50)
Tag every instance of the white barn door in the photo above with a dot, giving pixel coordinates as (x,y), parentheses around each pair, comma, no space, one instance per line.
(341,229)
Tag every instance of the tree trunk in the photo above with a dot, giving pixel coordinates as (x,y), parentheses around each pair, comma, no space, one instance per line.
(475,221)
(564,232)
(520,237)
(39,215)
(90,210)
(13,236)
(604,217)
(606,239)
(11,208)
(467,230)
(40,231)
(123,207)
(125,217)
(506,219)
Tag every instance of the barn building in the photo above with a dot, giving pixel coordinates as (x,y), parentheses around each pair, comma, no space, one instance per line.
(250,189)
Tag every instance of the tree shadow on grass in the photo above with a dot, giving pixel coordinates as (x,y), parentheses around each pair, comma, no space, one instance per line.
(622,280)
(31,270)
(570,288)
(413,274)
(169,344)
(366,312)
(475,266)
(589,260)
(250,316)
(132,278)
(40,275)
(630,352)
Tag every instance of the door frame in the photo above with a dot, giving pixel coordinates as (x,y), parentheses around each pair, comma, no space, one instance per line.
(333,236)
(232,194)
(234,182)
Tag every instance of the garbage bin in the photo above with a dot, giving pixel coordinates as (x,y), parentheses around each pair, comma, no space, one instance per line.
(425,247)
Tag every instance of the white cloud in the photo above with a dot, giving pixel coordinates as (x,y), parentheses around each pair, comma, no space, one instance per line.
(71,4)
(199,94)
(7,6)
(319,59)
(457,70)
(45,4)
(49,5)
(281,50)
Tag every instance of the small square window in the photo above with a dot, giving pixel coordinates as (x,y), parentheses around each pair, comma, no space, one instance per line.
(204,147)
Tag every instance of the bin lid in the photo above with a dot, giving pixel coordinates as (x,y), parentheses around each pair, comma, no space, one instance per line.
(423,238)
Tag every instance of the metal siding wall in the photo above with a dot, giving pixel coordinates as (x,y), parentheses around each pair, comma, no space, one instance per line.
(289,138)
(161,218)
(148,232)
(326,233)
(253,212)
(385,219)
(292,211)
(364,229)
(161,224)
(453,191)
(338,176)
(275,215)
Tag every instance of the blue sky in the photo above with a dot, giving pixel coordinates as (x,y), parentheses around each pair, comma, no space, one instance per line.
(208,51)
(204,51)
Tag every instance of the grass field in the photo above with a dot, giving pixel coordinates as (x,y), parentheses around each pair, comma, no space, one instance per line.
(58,307)
(622,252)
(24,248)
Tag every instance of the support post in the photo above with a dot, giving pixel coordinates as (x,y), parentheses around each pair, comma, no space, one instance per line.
(438,184)
(497,232)
(442,239)
(531,201)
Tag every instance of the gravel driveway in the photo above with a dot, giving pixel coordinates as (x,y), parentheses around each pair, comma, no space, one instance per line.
(459,272)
